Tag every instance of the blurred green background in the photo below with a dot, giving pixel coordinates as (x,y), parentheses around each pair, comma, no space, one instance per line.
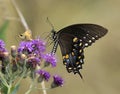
(101,70)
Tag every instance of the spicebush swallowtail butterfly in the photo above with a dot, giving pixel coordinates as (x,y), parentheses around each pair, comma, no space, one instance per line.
(72,41)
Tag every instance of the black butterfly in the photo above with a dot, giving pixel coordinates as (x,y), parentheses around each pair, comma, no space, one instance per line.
(72,40)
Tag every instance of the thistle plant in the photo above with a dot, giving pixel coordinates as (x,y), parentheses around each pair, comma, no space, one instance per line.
(27,60)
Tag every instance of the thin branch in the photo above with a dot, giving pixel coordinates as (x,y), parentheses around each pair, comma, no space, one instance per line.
(43,86)
(22,19)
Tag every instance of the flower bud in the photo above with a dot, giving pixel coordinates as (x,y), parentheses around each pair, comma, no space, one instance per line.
(21,59)
(6,59)
(57,81)
(13,51)
(23,56)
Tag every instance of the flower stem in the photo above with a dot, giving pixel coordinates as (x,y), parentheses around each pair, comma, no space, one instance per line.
(3,79)
(43,86)
(30,89)
(9,89)
(23,74)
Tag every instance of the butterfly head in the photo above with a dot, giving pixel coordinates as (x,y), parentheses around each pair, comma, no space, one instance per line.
(53,32)
(53,35)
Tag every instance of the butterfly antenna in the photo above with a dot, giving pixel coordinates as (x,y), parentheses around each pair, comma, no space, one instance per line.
(50,23)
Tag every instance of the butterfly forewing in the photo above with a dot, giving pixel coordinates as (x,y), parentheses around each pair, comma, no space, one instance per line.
(73,39)
(88,33)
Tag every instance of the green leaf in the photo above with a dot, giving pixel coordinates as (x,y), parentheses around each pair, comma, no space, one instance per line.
(4,90)
(15,89)
(3,29)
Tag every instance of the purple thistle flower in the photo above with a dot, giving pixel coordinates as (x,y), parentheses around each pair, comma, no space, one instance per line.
(43,75)
(2,46)
(25,46)
(50,59)
(33,61)
(33,50)
(57,81)
(38,45)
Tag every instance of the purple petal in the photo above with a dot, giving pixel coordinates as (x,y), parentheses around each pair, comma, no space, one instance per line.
(44,74)
(25,46)
(50,58)
(2,46)
(57,81)
(36,47)
(39,45)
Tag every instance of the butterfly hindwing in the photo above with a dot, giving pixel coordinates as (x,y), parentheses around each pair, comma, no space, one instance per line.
(73,54)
